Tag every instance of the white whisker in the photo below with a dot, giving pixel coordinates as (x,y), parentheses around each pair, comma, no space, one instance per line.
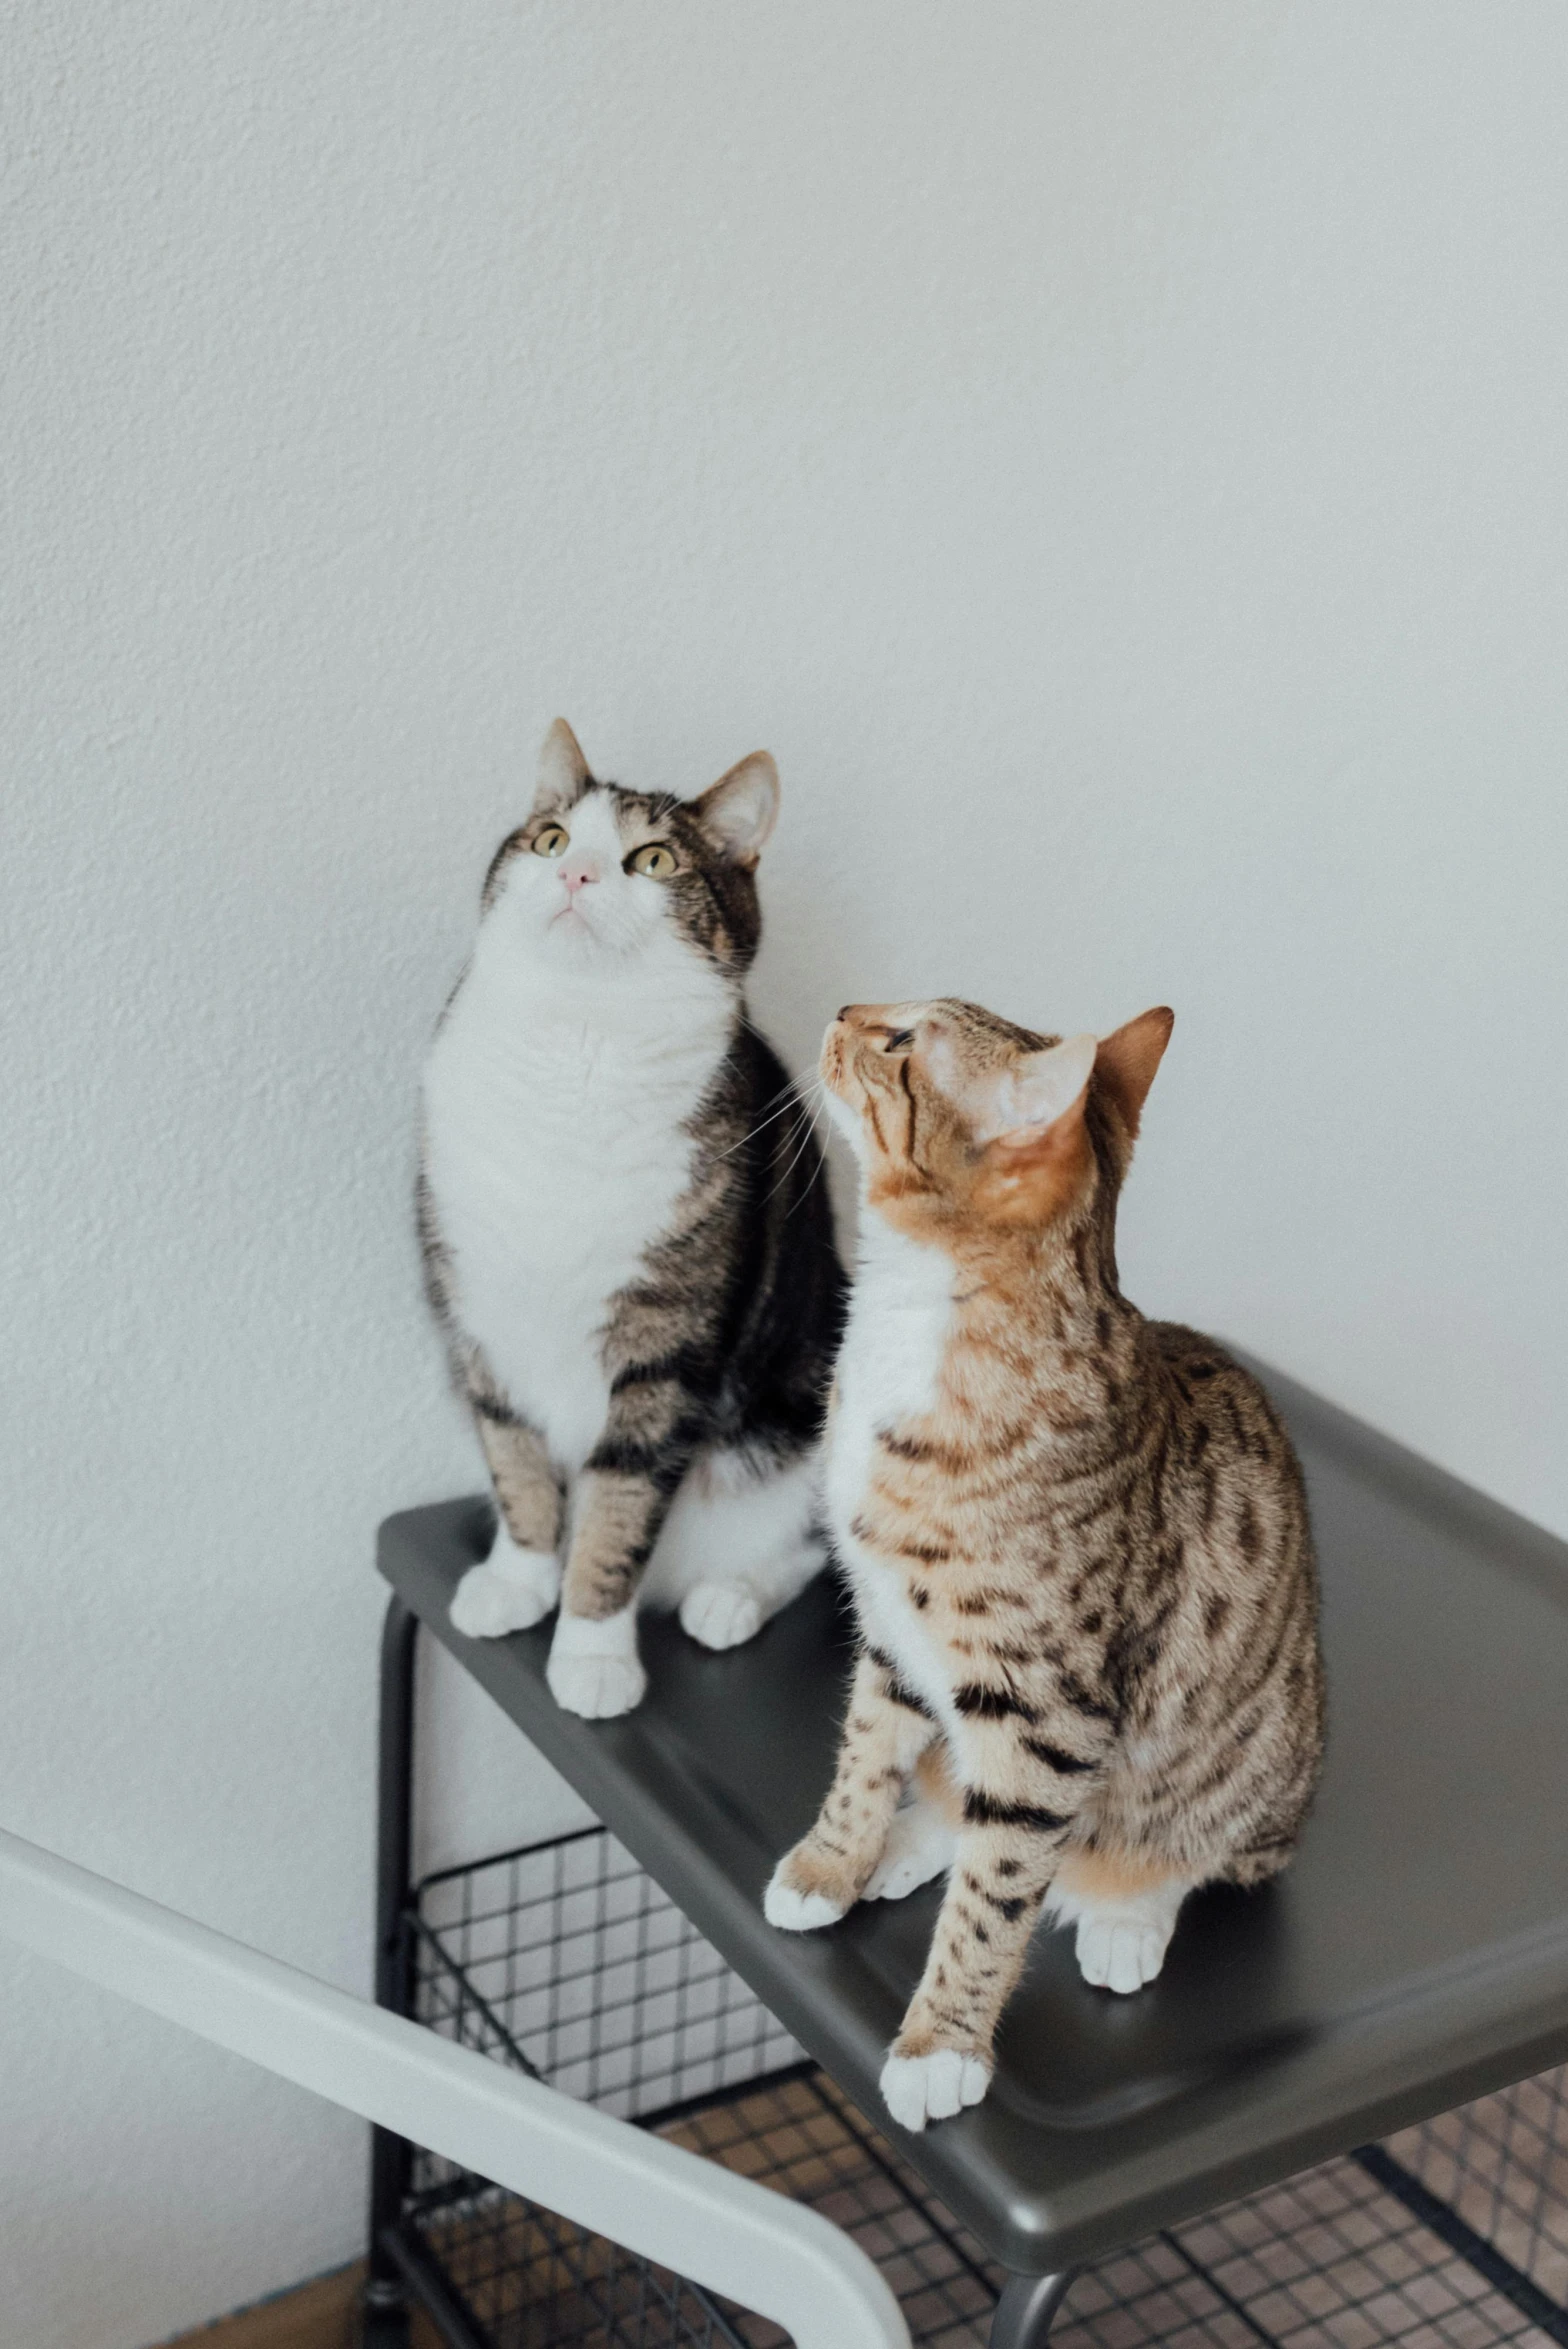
(810,1136)
(785,1099)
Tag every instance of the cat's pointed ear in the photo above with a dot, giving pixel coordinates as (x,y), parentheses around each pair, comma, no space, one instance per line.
(1127,1060)
(564,774)
(1021,1104)
(740,810)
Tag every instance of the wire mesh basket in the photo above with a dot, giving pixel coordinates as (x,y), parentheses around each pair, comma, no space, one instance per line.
(565,1959)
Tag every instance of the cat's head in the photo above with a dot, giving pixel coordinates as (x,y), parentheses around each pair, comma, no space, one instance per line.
(958,1116)
(601,880)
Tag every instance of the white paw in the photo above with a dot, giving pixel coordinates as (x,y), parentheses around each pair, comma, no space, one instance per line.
(512,1591)
(920,1844)
(593,1668)
(596,1687)
(721,1614)
(1121,1953)
(921,2088)
(797,1912)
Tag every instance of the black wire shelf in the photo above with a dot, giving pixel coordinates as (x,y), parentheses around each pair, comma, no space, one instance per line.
(565,1960)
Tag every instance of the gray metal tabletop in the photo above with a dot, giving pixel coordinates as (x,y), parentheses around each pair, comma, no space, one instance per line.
(1415,1955)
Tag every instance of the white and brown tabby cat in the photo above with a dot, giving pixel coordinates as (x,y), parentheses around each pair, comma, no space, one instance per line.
(1078,1543)
(626,1231)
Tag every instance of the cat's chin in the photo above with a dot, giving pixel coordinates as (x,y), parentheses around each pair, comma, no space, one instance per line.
(569,945)
(571,922)
(569,937)
(847,1121)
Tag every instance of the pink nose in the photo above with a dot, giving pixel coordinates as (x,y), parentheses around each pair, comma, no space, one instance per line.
(577,873)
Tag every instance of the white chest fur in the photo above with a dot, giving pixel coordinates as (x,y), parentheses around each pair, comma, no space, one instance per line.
(555,1150)
(899,1319)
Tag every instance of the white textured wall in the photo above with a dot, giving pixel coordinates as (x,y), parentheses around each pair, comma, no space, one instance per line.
(1114,458)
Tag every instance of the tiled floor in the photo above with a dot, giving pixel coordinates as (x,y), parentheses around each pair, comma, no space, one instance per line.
(1328,2261)
(1503,2165)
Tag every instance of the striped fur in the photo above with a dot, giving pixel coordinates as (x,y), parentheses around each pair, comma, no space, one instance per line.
(626,1231)
(1078,1541)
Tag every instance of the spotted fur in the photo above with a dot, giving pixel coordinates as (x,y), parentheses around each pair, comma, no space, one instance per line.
(1078,1540)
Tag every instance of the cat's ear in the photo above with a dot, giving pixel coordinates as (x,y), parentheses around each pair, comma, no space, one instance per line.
(1126,1061)
(740,810)
(1021,1103)
(564,774)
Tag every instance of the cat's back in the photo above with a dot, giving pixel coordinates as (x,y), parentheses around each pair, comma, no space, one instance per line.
(1224,1482)
(1219,1668)
(1223,1423)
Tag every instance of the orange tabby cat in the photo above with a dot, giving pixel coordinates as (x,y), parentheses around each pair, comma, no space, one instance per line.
(1078,1543)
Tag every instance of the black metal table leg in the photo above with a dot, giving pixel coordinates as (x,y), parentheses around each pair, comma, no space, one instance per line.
(1027,2310)
(386,2290)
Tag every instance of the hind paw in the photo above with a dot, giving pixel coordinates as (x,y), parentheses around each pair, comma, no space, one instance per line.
(721,1614)
(919,1845)
(1121,1954)
(512,1591)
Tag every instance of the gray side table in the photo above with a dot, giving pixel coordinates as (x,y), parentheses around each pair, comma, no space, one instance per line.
(1416,1955)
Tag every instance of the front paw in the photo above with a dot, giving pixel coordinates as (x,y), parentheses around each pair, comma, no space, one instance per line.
(721,1614)
(512,1591)
(596,1687)
(933,2087)
(802,1895)
(593,1668)
(797,1912)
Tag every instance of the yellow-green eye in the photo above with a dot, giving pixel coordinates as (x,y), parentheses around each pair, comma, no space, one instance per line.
(655,860)
(554,840)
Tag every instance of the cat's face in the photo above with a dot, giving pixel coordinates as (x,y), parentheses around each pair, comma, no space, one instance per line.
(954,1112)
(603,881)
